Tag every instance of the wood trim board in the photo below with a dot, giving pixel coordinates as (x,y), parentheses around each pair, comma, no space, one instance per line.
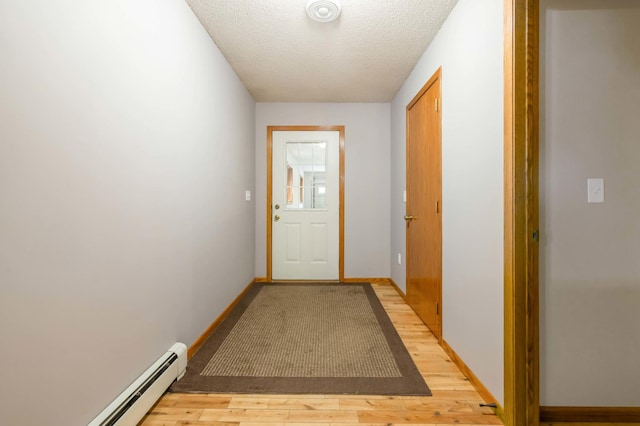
(589,424)
(400,292)
(204,336)
(473,379)
(366,280)
(608,415)
(341,213)
(521,294)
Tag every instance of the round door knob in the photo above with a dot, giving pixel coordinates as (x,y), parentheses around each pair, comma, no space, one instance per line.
(277,217)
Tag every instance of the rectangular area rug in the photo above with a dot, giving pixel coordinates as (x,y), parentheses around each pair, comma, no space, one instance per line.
(311,338)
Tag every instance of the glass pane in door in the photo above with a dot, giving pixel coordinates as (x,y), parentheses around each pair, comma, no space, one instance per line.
(305,186)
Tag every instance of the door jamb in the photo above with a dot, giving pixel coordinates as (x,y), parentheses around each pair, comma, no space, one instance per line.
(270,130)
(521,287)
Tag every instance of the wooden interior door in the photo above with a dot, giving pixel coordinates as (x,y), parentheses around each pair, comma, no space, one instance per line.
(424,205)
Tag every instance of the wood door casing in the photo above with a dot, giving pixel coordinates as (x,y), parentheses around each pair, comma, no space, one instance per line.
(424,203)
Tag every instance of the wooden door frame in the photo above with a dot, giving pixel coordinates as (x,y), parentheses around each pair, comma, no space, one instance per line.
(435,78)
(521,288)
(270,130)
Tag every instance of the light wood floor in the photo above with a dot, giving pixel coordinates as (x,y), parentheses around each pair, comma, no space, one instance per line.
(454,400)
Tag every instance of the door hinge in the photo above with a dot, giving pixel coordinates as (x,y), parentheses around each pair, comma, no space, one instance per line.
(437,206)
(437,308)
(437,106)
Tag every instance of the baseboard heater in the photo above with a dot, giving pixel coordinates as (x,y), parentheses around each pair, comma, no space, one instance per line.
(132,404)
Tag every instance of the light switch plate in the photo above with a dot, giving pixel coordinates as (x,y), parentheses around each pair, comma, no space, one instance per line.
(404,195)
(595,190)
(247,195)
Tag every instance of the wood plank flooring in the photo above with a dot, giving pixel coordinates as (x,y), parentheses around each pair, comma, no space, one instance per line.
(454,400)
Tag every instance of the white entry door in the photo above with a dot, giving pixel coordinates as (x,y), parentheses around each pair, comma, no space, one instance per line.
(305,205)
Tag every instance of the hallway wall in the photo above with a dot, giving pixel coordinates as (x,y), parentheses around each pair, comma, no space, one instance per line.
(126,145)
(589,269)
(469,47)
(367,178)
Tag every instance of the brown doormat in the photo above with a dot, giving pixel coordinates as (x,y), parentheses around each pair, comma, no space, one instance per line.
(306,338)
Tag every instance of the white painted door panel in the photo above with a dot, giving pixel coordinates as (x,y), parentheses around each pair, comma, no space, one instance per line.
(305,205)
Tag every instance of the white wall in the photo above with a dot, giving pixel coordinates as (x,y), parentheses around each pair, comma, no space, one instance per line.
(126,145)
(590,269)
(469,47)
(366,178)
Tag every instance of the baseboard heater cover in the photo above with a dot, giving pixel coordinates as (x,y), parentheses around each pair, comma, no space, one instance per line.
(132,404)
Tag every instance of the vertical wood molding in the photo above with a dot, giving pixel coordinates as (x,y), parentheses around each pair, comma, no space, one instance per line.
(269,197)
(521,305)
(341,220)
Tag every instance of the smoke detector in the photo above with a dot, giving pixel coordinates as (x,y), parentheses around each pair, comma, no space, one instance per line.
(323,10)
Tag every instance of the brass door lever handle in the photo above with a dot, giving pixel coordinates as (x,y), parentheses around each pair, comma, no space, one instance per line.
(410,218)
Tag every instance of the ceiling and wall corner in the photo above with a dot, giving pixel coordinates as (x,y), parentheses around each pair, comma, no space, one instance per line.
(283,56)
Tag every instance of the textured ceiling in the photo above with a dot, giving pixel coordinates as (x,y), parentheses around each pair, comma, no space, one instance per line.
(283,56)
